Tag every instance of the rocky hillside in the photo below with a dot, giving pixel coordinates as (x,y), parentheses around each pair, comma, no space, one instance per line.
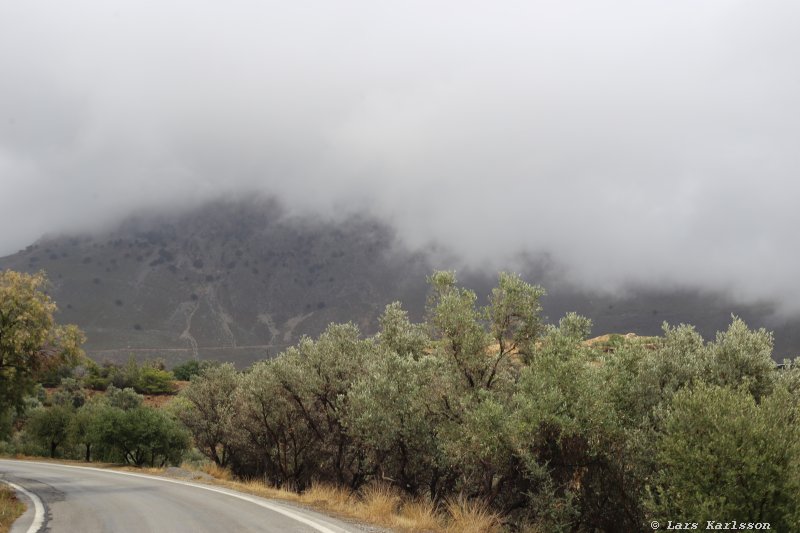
(240,281)
(234,281)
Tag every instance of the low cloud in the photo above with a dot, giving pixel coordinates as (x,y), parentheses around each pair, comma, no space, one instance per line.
(635,144)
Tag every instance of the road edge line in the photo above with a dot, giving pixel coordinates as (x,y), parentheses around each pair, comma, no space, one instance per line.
(38,506)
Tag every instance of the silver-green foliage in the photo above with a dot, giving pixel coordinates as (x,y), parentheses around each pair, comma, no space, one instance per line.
(207,409)
(723,454)
(493,403)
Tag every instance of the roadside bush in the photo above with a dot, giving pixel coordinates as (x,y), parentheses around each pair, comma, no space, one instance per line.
(139,436)
(207,410)
(722,454)
(290,413)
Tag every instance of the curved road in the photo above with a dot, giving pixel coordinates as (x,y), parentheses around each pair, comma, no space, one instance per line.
(92,500)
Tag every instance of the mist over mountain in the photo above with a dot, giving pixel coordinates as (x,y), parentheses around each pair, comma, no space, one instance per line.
(234,281)
(634,144)
(240,280)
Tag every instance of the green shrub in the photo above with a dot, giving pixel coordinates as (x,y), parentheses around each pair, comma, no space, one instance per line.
(139,436)
(724,455)
(123,398)
(47,426)
(154,381)
(193,367)
(148,378)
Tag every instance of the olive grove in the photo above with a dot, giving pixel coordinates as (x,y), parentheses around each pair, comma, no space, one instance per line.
(492,403)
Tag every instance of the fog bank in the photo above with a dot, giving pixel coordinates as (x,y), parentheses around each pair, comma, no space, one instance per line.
(634,143)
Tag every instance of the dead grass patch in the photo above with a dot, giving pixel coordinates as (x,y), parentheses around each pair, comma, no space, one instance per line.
(379,503)
(10,507)
(467,516)
(153,471)
(418,516)
(330,497)
(216,471)
(259,488)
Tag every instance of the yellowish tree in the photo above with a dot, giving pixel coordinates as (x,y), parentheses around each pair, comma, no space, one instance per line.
(31,342)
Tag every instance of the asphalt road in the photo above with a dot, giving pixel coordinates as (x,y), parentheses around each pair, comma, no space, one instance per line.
(87,500)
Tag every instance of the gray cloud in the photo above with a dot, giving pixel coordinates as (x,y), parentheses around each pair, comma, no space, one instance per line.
(637,143)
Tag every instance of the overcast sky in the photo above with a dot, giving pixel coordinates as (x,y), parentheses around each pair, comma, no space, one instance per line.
(642,142)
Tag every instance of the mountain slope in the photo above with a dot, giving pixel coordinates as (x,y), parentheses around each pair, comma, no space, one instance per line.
(233,280)
(242,280)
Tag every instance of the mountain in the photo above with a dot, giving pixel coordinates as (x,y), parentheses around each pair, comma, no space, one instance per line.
(242,280)
(232,280)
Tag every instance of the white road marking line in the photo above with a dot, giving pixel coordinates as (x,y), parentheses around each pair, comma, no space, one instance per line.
(38,507)
(258,501)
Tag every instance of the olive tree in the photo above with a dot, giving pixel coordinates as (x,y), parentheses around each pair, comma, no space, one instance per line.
(138,436)
(273,440)
(292,411)
(722,454)
(49,426)
(207,411)
(390,413)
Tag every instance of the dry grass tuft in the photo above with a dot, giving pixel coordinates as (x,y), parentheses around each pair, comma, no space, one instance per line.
(330,497)
(216,471)
(471,517)
(379,503)
(10,508)
(150,470)
(259,488)
(418,516)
